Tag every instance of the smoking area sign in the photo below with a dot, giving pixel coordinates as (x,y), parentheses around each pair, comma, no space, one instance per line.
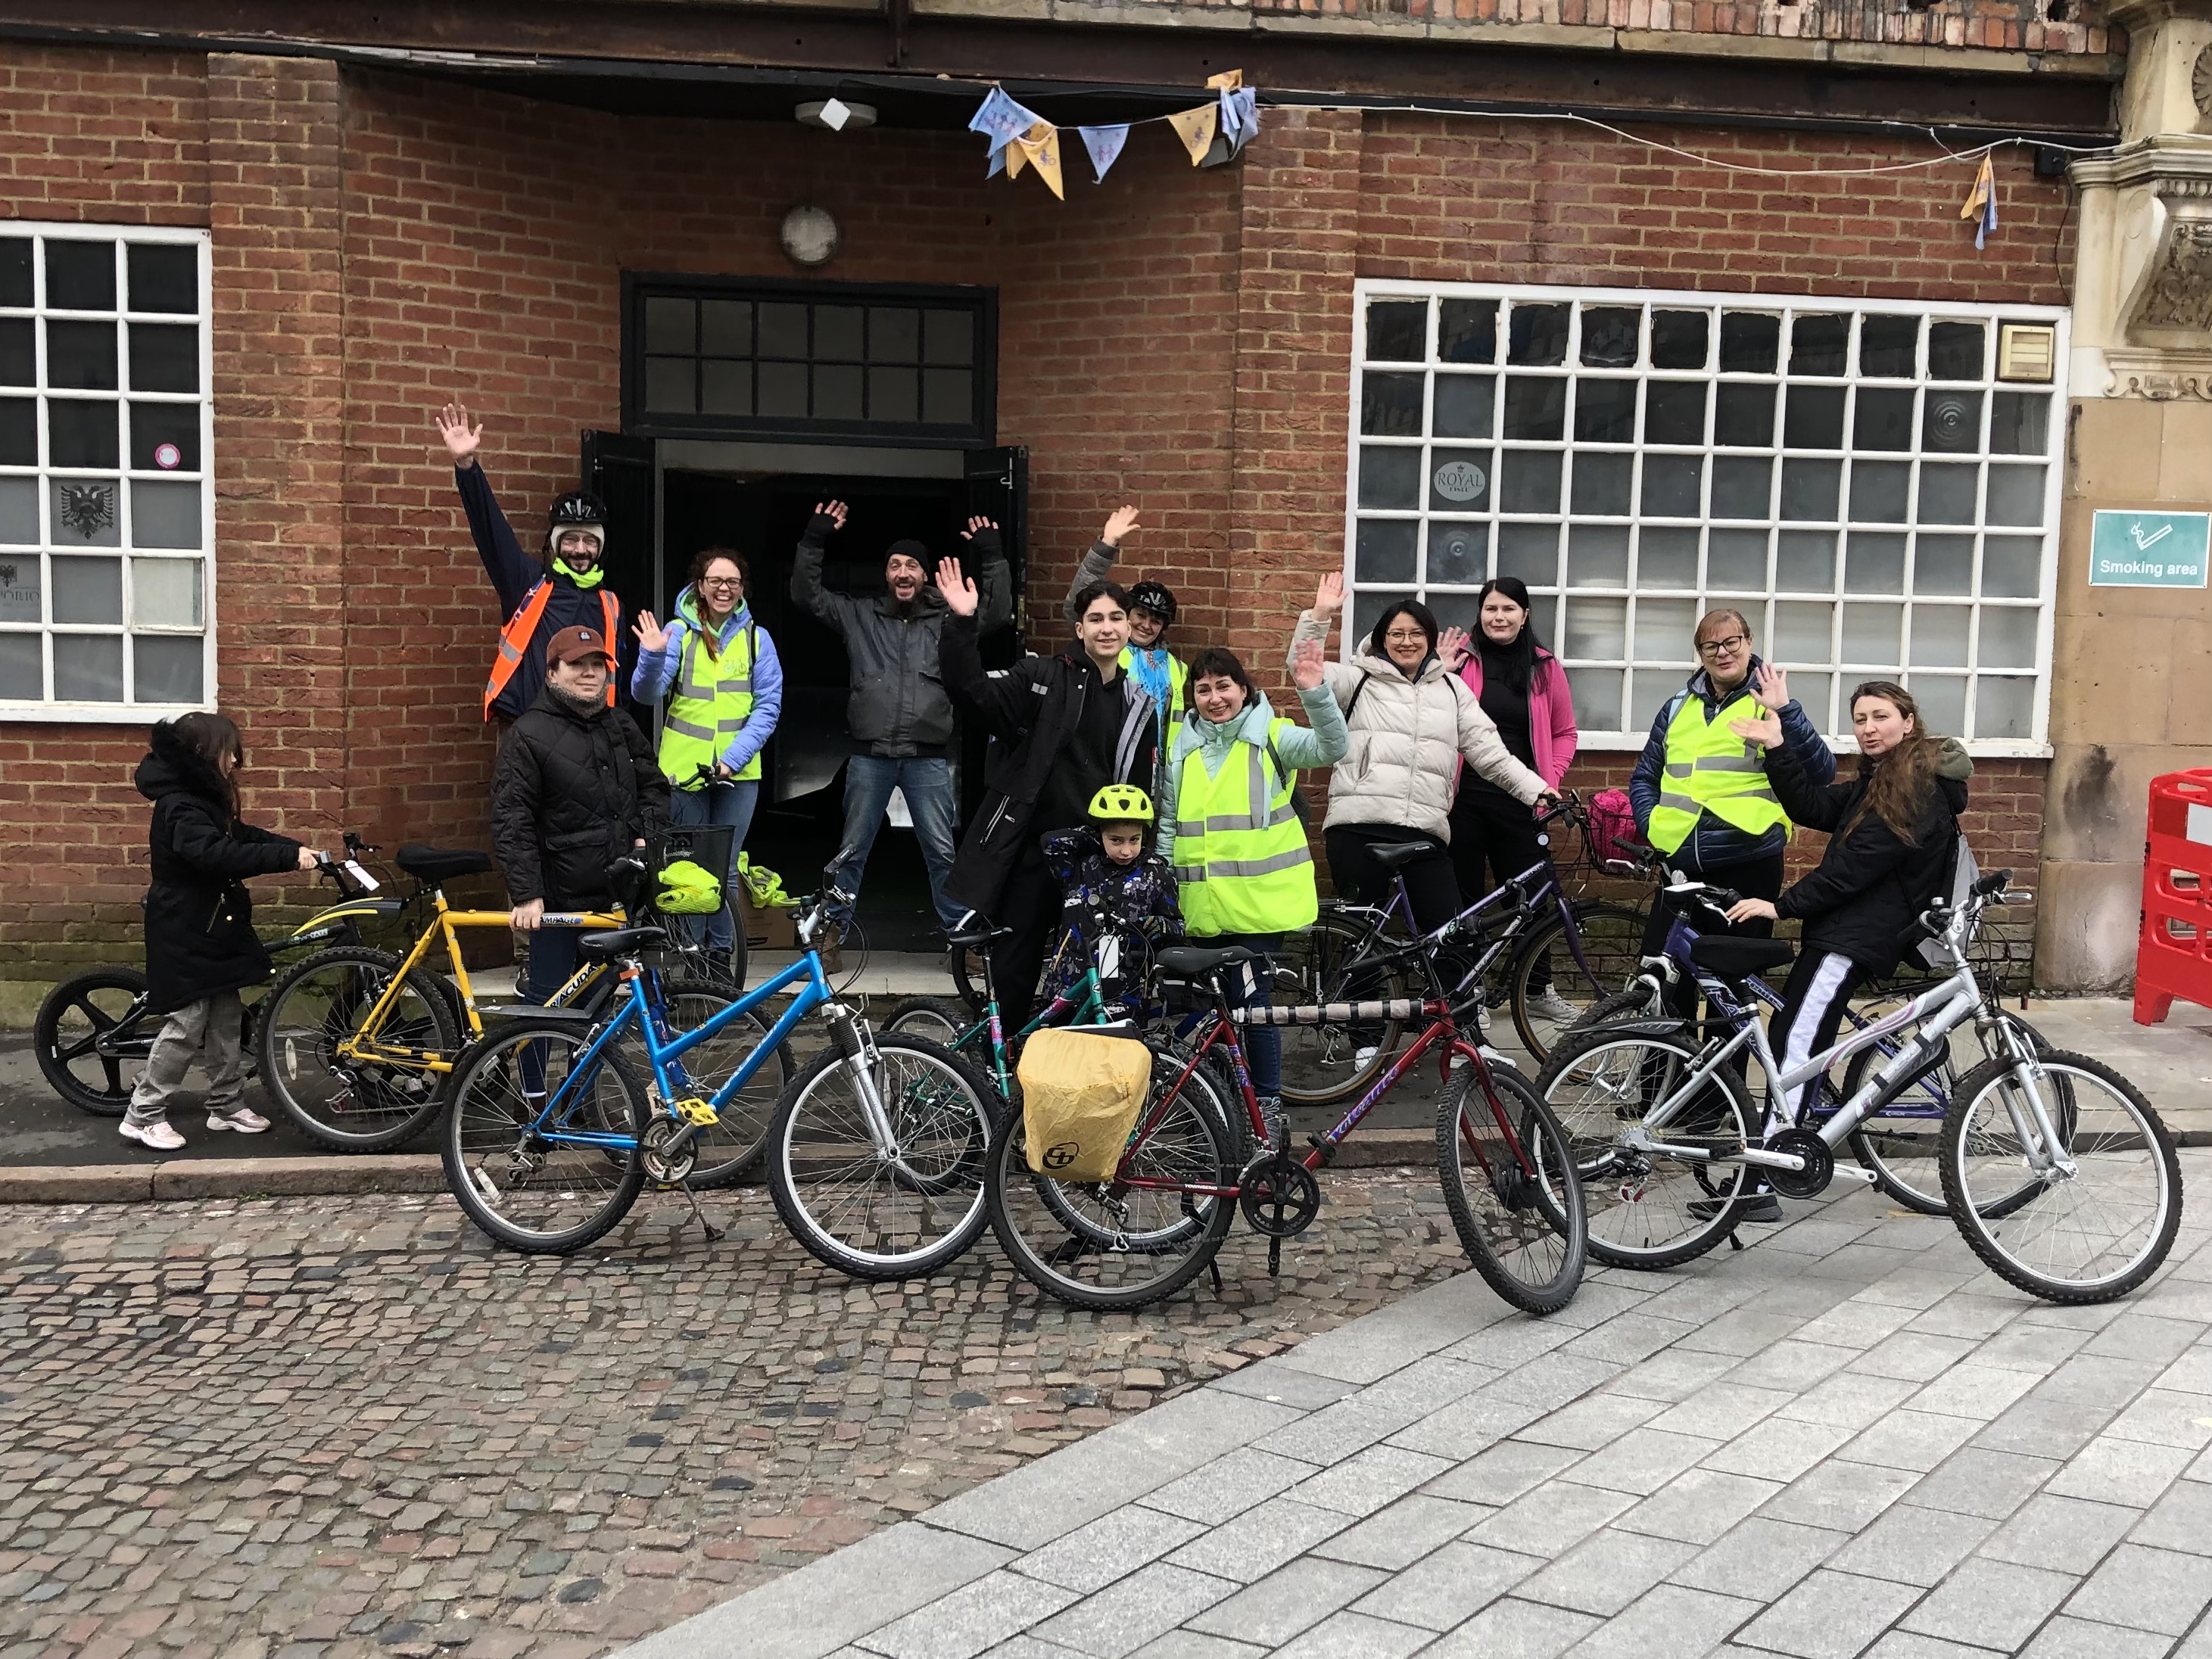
(2149,550)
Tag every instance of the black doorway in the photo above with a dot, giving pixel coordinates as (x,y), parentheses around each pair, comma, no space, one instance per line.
(763,514)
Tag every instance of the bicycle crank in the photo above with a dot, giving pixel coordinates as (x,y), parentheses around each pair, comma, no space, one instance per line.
(1820,1165)
(1279,1195)
(669,1150)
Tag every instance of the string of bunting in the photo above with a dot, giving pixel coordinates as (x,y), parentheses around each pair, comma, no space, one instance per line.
(1022,138)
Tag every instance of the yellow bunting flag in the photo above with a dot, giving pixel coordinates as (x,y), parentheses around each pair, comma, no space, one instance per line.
(1227,81)
(1195,127)
(1017,158)
(1041,143)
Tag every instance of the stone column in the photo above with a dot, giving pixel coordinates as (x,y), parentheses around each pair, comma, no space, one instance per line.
(2132,688)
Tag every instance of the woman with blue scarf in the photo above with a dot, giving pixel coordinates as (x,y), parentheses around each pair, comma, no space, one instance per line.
(1151,667)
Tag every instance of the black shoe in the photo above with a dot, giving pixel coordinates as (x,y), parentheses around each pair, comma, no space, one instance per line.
(718,965)
(1764,1209)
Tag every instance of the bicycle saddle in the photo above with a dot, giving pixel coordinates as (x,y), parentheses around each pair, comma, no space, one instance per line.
(1740,958)
(617,942)
(1399,853)
(439,863)
(983,934)
(1191,961)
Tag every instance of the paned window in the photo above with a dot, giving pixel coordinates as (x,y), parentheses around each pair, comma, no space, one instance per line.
(105,513)
(1850,475)
(849,358)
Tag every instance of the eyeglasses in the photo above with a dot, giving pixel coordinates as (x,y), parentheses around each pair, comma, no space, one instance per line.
(1401,636)
(721,581)
(1726,647)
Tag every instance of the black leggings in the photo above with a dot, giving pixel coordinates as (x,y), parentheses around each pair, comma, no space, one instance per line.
(1761,879)
(1820,986)
(1489,827)
(1429,884)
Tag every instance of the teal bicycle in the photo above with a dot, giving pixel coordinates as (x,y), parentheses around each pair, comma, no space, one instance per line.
(876,1151)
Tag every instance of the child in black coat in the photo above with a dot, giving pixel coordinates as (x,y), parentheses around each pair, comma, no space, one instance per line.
(201,948)
(1111,884)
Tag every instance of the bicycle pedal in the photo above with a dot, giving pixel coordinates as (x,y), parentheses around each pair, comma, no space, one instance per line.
(700,1114)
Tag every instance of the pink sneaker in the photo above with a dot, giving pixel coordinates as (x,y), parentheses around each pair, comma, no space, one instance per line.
(157,1134)
(244,1120)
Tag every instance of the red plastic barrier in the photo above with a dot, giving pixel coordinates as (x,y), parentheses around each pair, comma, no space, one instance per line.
(2173,958)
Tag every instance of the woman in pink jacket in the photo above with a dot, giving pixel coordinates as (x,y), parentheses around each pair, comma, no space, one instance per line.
(1523,690)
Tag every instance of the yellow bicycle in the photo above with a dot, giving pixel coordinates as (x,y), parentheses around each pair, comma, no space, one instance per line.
(356,1043)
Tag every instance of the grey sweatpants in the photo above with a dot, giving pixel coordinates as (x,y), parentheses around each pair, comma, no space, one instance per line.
(208,1031)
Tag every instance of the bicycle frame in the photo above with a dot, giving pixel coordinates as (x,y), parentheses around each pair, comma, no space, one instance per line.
(1089,1006)
(640,1009)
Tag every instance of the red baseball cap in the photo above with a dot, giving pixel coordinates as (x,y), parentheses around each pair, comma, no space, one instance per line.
(571,643)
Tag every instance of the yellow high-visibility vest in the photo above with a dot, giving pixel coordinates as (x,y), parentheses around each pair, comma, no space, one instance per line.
(712,701)
(1709,768)
(1241,863)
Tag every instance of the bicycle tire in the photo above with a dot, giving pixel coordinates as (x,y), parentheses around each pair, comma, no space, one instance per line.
(946,1087)
(1051,1260)
(300,1070)
(1893,1150)
(1332,962)
(1998,1239)
(101,1004)
(966,963)
(1203,1086)
(1610,1011)
(1613,944)
(726,1150)
(486,1120)
(934,1020)
(1592,1109)
(1514,1182)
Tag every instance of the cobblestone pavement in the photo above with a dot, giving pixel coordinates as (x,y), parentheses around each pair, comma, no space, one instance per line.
(316,1428)
(1846,1440)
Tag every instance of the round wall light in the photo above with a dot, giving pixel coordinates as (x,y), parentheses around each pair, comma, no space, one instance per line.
(810,236)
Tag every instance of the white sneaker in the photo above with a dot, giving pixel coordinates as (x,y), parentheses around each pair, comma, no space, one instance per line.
(244,1120)
(1498,1059)
(1548,1003)
(158,1134)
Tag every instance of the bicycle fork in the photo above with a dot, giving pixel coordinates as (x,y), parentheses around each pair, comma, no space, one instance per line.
(856,1049)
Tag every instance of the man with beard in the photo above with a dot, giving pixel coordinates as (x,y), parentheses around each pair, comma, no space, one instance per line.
(576,787)
(896,710)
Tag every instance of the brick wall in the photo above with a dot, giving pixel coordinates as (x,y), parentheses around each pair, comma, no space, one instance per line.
(1179,336)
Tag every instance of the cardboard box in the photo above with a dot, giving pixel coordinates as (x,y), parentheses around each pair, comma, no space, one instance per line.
(775,928)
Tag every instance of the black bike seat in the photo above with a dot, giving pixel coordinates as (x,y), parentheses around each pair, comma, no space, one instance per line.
(441,863)
(1739,958)
(1191,961)
(617,942)
(983,934)
(1399,853)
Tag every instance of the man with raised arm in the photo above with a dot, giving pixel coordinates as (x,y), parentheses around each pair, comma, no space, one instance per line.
(541,595)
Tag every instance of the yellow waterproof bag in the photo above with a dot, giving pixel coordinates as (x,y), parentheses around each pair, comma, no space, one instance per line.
(1081,1092)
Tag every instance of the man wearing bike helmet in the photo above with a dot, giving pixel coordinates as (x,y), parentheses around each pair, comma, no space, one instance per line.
(563,586)
(1158,671)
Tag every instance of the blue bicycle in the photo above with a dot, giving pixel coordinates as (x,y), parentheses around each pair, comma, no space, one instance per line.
(875,1151)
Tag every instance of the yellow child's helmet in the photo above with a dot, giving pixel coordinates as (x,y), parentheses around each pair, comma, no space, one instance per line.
(688,889)
(1120,803)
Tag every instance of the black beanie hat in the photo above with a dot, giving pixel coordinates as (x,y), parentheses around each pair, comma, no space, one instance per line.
(913,549)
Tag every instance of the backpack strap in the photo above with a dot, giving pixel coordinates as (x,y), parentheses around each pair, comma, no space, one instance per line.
(1358,692)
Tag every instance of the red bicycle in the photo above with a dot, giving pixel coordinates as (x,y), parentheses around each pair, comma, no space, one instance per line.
(1194,1159)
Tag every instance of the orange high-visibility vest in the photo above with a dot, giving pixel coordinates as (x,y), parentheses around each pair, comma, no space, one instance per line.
(515,638)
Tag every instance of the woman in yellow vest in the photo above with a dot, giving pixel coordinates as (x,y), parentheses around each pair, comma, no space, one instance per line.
(1229,830)
(1699,791)
(725,689)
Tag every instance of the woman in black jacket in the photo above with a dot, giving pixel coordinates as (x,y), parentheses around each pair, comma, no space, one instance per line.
(201,948)
(1892,830)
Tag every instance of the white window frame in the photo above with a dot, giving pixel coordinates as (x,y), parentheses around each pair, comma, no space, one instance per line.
(125,712)
(1367,289)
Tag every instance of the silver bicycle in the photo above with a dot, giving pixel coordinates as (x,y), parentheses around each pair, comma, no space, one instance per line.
(2054,1167)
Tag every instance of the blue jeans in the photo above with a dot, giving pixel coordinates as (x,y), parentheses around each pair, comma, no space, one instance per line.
(926,782)
(732,804)
(1252,987)
(553,958)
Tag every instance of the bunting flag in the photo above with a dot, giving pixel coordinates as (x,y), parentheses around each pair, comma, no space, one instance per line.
(1981,204)
(1041,144)
(1002,121)
(1196,127)
(1105,144)
(1240,115)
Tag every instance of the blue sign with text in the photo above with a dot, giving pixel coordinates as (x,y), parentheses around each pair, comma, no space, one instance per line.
(2149,550)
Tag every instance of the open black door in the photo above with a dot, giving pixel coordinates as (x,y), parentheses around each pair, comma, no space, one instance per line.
(998,481)
(618,469)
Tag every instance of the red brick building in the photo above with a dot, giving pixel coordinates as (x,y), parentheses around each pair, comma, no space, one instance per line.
(570,216)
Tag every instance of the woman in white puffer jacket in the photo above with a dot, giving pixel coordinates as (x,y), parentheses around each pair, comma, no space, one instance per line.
(1411,723)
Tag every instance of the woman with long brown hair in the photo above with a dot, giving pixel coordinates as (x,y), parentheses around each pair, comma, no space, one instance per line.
(1892,830)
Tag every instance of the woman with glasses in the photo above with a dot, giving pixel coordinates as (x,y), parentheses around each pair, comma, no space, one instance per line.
(1699,790)
(1411,722)
(725,689)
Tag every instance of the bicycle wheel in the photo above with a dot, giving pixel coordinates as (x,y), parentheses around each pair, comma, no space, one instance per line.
(1109,1244)
(870,1214)
(2088,1235)
(91,1037)
(1611,938)
(967,962)
(726,1149)
(1082,1219)
(934,1020)
(1331,961)
(1649,1209)
(1902,1142)
(526,1191)
(352,1105)
(1509,1182)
